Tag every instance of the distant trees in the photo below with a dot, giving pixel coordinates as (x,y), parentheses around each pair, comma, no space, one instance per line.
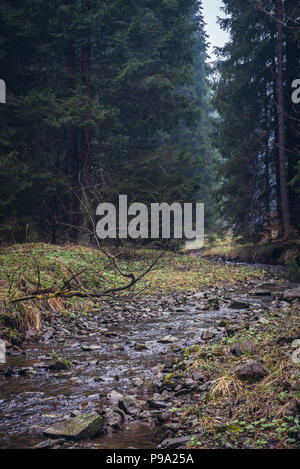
(101,96)
(258,134)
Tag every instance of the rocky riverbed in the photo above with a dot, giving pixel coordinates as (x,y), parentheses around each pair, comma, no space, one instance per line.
(116,363)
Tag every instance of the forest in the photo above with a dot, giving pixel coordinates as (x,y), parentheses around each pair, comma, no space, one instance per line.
(103,101)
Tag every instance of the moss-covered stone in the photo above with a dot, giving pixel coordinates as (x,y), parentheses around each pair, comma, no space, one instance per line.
(77,428)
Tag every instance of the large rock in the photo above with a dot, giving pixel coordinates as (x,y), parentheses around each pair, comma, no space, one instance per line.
(291,295)
(114,397)
(168,339)
(246,346)
(296,357)
(77,428)
(131,405)
(208,334)
(260,293)
(251,371)
(114,418)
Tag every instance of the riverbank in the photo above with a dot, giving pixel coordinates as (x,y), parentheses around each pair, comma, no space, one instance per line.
(243,391)
(281,253)
(26,268)
(158,368)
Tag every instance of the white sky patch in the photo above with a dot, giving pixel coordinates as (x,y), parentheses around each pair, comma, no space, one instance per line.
(217,37)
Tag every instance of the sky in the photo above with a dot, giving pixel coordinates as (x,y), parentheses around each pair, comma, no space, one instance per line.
(217,37)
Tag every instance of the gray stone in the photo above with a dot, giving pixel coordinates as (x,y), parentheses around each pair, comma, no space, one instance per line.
(153,404)
(168,339)
(208,334)
(91,348)
(261,293)
(263,321)
(235,304)
(43,445)
(113,418)
(140,347)
(173,443)
(131,405)
(296,357)
(291,295)
(203,307)
(296,343)
(114,397)
(246,346)
(78,428)
(251,371)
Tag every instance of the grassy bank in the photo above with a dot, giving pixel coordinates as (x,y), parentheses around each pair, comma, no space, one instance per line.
(234,413)
(24,269)
(276,252)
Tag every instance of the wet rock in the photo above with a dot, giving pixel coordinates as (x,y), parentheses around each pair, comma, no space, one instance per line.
(251,371)
(182,392)
(140,347)
(263,321)
(138,382)
(190,383)
(296,343)
(114,397)
(131,405)
(281,340)
(154,404)
(199,377)
(110,334)
(203,387)
(168,339)
(113,418)
(43,445)
(91,348)
(36,430)
(78,428)
(208,334)
(61,364)
(8,372)
(232,329)
(205,307)
(223,323)
(117,348)
(296,357)
(260,293)
(200,295)
(246,346)
(173,443)
(291,295)
(148,387)
(235,304)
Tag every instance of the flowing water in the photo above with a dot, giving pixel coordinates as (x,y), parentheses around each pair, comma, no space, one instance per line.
(29,402)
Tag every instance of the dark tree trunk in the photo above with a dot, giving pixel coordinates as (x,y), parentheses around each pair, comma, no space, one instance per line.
(281,122)
(72,143)
(85,150)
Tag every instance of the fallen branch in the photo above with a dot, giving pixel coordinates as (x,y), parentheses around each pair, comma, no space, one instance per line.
(62,293)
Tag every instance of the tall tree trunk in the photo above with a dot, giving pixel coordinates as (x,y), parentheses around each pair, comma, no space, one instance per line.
(72,138)
(292,126)
(281,122)
(84,174)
